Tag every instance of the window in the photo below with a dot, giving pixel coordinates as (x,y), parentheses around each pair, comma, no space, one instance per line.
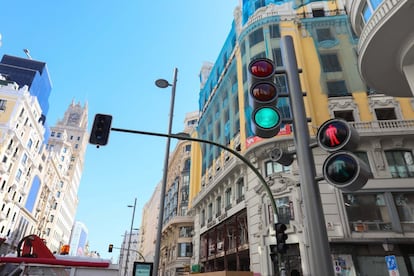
(283,209)
(24,158)
(228,198)
(187,165)
(203,218)
(274,31)
(318,13)
(30,143)
(218,206)
(367,212)
(210,211)
(3,105)
(385,113)
(259,4)
(272,167)
(347,115)
(256,37)
(240,190)
(185,231)
(330,63)
(405,208)
(324,34)
(277,56)
(185,249)
(18,174)
(187,148)
(400,163)
(337,88)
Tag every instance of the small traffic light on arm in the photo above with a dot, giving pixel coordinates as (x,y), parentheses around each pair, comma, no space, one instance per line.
(281,238)
(110,248)
(100,130)
(263,94)
(342,169)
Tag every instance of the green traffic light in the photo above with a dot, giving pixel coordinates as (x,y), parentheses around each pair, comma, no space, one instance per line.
(342,168)
(267,118)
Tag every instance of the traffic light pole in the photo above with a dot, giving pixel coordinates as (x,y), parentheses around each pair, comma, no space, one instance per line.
(319,250)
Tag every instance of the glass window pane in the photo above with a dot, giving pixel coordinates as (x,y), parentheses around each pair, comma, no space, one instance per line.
(376,3)
(405,208)
(366,13)
(400,163)
(367,212)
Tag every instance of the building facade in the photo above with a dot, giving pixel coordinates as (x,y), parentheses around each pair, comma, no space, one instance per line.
(176,243)
(148,226)
(233,218)
(78,239)
(67,147)
(176,248)
(39,176)
(130,252)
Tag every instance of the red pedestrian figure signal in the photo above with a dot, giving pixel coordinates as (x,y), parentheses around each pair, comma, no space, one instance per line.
(331,133)
(335,134)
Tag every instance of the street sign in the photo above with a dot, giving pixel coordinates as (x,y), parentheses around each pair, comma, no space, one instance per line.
(392,265)
(142,269)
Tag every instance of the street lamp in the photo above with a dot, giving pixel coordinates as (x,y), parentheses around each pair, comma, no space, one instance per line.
(162,83)
(130,234)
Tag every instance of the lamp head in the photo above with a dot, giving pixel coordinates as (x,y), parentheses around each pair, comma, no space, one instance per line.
(162,83)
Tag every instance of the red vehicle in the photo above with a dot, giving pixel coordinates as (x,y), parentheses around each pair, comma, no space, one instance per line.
(33,257)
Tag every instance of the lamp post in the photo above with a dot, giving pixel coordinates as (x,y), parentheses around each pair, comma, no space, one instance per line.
(130,234)
(162,83)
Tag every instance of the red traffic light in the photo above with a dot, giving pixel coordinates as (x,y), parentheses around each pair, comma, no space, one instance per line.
(262,68)
(337,134)
(264,92)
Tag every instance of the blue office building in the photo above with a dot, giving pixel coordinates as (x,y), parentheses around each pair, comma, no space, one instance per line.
(32,73)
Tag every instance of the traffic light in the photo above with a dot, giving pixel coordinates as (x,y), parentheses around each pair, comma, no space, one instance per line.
(100,130)
(342,169)
(110,247)
(281,238)
(281,156)
(273,253)
(263,94)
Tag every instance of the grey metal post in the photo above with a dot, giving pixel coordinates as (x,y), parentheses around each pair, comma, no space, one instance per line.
(320,255)
(129,240)
(164,181)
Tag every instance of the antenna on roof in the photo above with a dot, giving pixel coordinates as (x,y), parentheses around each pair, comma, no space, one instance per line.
(26,51)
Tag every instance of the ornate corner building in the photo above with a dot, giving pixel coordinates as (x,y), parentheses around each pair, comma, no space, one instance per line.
(233,218)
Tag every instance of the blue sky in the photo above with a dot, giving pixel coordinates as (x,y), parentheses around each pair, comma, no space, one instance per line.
(109,53)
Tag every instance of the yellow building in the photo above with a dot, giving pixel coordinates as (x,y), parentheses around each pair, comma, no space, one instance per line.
(233,218)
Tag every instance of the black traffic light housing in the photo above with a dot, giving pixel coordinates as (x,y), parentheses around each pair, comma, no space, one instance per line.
(281,238)
(281,156)
(110,248)
(342,169)
(263,94)
(100,130)
(273,253)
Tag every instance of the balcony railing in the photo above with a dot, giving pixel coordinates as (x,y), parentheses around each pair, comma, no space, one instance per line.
(384,127)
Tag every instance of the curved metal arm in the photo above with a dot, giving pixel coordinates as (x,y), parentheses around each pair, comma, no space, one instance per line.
(184,136)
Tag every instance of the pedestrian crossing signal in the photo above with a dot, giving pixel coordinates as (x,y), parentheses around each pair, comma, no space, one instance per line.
(342,169)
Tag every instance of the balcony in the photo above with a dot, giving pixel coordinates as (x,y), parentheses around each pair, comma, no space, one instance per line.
(388,127)
(375,49)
